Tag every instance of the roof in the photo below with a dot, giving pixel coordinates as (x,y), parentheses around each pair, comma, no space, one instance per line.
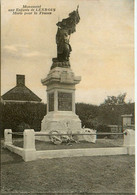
(127,115)
(20,92)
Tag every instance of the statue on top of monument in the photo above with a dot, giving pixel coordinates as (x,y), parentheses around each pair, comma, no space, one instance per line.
(65,28)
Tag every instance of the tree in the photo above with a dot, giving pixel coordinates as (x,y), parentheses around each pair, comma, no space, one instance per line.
(20,116)
(115,100)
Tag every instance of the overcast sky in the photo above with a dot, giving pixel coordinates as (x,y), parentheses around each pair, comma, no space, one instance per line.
(102,46)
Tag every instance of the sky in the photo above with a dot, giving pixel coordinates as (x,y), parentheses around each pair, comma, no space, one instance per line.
(102,46)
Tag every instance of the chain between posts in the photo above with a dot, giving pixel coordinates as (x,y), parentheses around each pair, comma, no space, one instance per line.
(42,134)
(15,133)
(81,134)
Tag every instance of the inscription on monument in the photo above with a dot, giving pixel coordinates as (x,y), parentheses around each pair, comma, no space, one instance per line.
(64,101)
(51,101)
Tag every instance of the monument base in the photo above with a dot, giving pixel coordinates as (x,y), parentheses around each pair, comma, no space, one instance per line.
(61,115)
(60,121)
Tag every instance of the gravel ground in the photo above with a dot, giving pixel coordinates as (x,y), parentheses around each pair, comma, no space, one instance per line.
(87,175)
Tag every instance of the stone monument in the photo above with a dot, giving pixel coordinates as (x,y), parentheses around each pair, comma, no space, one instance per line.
(61,82)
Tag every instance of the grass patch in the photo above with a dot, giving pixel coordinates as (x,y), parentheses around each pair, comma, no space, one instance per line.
(101,143)
(86,175)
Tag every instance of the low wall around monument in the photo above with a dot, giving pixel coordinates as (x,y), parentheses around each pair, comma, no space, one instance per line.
(29,153)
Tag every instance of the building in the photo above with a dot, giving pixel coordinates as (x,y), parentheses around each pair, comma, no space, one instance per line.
(127,121)
(20,93)
(21,108)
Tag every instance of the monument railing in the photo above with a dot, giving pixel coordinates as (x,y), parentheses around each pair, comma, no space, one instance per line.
(41,134)
(29,153)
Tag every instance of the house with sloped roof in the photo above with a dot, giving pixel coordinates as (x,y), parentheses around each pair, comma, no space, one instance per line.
(20,93)
(21,108)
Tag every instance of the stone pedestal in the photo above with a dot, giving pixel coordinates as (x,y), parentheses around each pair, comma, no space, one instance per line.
(61,115)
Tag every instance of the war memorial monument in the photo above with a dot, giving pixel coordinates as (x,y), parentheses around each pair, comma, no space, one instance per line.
(61,82)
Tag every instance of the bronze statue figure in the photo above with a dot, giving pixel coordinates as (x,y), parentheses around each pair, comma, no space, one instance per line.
(65,28)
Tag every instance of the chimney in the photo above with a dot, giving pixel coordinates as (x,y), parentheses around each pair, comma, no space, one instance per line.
(20,79)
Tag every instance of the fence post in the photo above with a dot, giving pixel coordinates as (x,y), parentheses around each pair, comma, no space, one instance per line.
(29,145)
(7,137)
(129,141)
